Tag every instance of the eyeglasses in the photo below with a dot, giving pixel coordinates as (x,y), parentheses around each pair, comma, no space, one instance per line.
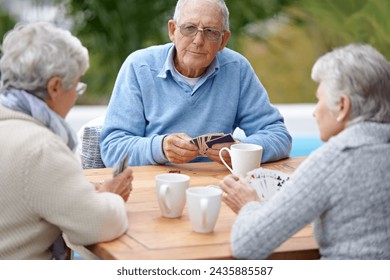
(81,88)
(190,30)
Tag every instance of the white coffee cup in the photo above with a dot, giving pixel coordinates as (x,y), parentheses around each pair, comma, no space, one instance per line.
(203,205)
(244,157)
(171,193)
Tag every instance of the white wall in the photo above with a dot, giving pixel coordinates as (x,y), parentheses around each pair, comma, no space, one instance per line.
(298,117)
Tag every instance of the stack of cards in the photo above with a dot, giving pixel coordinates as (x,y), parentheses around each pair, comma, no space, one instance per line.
(206,141)
(266,182)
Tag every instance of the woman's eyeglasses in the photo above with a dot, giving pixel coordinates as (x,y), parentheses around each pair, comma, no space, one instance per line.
(81,88)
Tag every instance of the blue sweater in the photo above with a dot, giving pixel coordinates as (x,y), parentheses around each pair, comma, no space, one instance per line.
(151,100)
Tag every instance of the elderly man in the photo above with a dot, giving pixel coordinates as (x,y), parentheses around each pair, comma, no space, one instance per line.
(166,95)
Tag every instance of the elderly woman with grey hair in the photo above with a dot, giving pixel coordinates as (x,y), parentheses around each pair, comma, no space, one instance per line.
(344,185)
(43,190)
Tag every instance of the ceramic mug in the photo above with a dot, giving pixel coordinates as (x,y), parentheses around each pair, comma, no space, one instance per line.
(244,157)
(171,193)
(203,205)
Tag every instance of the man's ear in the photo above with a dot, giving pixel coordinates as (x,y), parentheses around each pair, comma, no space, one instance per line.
(54,86)
(344,108)
(171,29)
(225,39)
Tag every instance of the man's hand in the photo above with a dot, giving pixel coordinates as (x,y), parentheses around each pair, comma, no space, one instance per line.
(178,149)
(213,153)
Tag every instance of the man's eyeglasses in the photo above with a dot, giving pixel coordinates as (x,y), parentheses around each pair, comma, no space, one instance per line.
(81,88)
(190,30)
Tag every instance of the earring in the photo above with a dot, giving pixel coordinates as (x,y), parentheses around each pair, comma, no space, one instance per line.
(338,119)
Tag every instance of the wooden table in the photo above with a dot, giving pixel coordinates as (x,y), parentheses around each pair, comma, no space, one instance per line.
(150,236)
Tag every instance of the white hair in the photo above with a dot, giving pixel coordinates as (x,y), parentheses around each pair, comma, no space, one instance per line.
(220,3)
(360,72)
(33,53)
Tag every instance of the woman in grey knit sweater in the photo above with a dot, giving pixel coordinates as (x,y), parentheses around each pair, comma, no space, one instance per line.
(344,186)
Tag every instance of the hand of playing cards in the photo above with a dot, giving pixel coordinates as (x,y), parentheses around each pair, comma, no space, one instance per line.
(122,164)
(206,141)
(266,182)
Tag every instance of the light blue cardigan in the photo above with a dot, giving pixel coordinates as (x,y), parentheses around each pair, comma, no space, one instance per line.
(151,100)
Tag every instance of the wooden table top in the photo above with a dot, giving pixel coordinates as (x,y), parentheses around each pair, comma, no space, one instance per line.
(151,236)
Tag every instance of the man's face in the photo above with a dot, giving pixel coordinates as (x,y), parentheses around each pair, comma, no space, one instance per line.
(195,53)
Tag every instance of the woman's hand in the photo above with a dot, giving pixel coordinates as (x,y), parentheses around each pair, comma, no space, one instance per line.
(237,192)
(120,184)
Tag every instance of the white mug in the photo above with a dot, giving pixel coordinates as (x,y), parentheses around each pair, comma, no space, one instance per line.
(244,157)
(171,193)
(203,205)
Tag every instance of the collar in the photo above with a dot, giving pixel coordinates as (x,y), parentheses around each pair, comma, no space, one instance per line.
(169,66)
(26,103)
(363,133)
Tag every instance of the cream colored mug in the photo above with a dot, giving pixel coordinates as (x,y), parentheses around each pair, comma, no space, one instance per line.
(203,205)
(244,157)
(171,193)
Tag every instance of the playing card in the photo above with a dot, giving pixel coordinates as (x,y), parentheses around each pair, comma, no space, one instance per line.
(227,138)
(200,141)
(192,142)
(266,182)
(195,142)
(121,165)
(215,136)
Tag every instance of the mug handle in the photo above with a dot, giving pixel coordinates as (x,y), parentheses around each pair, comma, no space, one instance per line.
(163,197)
(221,157)
(203,211)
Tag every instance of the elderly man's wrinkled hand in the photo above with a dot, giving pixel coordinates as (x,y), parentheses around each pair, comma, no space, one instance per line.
(213,153)
(178,148)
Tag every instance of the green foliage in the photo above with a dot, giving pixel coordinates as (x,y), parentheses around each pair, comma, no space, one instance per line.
(284,60)
(283,63)
(248,12)
(350,21)
(6,23)
(111,30)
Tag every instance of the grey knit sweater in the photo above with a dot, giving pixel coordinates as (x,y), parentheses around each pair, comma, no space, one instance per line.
(344,187)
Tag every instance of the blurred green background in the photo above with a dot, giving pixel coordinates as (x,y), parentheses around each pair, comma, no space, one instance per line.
(281,38)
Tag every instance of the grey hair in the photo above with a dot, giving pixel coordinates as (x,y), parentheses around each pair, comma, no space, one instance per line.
(360,72)
(33,53)
(220,3)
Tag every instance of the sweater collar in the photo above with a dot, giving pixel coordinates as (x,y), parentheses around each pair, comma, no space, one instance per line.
(361,134)
(26,103)
(169,67)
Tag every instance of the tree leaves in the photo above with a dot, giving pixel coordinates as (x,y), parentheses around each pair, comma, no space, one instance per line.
(348,21)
